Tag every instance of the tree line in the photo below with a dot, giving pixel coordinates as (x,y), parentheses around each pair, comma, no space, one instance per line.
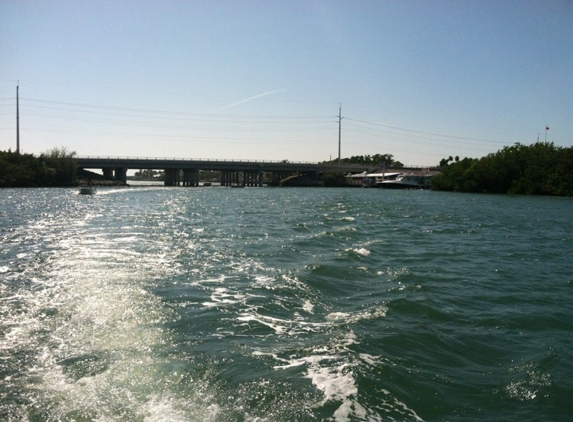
(375,160)
(56,167)
(538,169)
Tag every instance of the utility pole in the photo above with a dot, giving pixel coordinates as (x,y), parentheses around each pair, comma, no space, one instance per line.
(339,130)
(18,118)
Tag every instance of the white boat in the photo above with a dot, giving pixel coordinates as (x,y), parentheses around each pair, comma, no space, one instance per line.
(405,181)
(87,190)
(367,180)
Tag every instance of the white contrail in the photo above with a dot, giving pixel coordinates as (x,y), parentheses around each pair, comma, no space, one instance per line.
(254,97)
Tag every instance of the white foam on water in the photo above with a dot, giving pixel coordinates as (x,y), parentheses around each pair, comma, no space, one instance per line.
(332,367)
(369,359)
(275,324)
(111,191)
(374,312)
(92,331)
(308,306)
(332,372)
(363,248)
(223,296)
(162,409)
(363,251)
(264,280)
(199,283)
(290,327)
(117,327)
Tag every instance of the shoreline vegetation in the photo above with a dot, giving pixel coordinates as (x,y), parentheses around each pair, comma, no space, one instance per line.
(538,169)
(55,168)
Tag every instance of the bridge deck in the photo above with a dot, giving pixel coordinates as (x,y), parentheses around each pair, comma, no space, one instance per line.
(223,165)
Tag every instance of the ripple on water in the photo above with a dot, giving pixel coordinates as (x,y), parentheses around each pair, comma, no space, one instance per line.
(264,304)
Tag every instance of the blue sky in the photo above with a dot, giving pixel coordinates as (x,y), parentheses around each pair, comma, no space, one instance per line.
(264,80)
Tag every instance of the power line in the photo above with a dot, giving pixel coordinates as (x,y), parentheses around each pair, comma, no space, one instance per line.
(86,108)
(221,118)
(369,132)
(421,132)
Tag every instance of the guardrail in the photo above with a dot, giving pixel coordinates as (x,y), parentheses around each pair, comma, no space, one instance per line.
(217,160)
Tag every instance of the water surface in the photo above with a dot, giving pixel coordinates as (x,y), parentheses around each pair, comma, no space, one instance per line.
(263,304)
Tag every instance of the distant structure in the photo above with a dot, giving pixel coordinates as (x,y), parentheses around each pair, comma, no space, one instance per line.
(339,130)
(18,118)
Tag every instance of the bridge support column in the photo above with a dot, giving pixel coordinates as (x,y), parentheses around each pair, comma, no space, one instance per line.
(107,173)
(231,177)
(121,174)
(191,177)
(253,178)
(172,177)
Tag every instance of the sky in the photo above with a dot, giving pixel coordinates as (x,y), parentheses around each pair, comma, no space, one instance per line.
(272,80)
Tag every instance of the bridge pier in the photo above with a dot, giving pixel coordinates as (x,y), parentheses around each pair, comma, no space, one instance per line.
(115,173)
(107,172)
(233,172)
(172,177)
(247,178)
(253,178)
(230,177)
(191,177)
(121,174)
(244,178)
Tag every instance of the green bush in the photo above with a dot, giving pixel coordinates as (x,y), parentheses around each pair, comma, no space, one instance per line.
(538,169)
(57,167)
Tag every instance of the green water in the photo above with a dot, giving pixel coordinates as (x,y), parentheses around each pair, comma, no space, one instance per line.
(262,304)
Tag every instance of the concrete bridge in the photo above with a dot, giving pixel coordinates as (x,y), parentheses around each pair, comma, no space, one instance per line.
(185,172)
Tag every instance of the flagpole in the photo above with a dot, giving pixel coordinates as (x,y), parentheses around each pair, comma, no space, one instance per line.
(546,129)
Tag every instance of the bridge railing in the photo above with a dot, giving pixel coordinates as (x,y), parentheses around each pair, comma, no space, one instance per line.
(220,160)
